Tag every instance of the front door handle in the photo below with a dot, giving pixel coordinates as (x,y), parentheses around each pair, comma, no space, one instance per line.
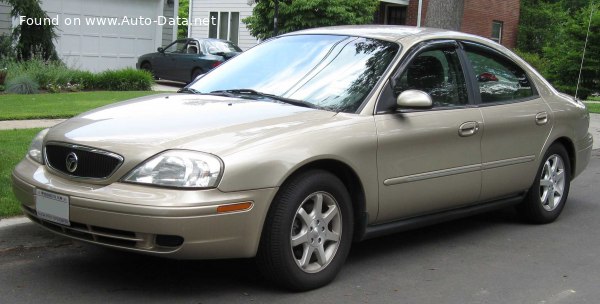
(468,128)
(541,118)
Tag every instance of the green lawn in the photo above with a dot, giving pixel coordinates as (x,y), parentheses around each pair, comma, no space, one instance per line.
(593,107)
(13,146)
(62,105)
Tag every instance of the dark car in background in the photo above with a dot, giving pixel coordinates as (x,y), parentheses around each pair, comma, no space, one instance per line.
(185,59)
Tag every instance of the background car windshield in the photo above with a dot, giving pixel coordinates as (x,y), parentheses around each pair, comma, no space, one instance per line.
(333,72)
(215,46)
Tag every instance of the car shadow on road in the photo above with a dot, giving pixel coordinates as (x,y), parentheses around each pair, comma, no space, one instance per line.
(129,273)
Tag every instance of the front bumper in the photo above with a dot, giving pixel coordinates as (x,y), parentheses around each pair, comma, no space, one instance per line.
(181,224)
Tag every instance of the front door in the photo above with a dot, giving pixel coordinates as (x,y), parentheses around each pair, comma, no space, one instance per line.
(429,160)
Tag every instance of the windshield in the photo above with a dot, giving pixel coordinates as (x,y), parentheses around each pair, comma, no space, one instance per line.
(216,46)
(331,72)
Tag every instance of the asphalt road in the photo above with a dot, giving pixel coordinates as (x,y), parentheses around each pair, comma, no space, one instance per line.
(492,258)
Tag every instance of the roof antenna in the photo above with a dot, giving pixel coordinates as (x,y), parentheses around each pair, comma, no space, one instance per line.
(585,47)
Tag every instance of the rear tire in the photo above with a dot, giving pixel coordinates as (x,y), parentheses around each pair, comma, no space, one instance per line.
(548,195)
(303,246)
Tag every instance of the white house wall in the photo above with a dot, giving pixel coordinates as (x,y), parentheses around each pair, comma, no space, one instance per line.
(202,8)
(5,19)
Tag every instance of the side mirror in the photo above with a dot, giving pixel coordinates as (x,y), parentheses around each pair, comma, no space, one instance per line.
(160,50)
(414,99)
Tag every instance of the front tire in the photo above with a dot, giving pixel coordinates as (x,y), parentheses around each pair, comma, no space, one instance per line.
(548,195)
(308,232)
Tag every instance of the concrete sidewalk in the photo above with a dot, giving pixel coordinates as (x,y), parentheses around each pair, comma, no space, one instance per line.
(29,124)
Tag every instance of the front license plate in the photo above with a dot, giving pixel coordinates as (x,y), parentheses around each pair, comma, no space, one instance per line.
(52,207)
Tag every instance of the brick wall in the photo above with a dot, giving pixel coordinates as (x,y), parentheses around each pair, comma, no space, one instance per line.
(478,17)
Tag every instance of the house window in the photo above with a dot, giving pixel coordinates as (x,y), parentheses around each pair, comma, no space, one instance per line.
(226,26)
(497,31)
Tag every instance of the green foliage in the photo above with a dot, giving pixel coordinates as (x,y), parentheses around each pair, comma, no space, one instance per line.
(564,55)
(184,11)
(124,80)
(38,106)
(535,60)
(23,84)
(538,23)
(55,77)
(304,14)
(6,49)
(552,35)
(13,147)
(32,40)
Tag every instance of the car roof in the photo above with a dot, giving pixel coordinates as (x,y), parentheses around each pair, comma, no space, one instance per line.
(394,33)
(209,39)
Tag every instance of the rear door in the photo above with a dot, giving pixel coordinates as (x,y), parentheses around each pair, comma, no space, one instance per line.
(517,122)
(429,159)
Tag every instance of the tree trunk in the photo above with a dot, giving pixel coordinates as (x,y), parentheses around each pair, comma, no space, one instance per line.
(445,14)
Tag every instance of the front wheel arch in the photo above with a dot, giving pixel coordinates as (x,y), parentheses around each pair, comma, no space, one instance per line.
(351,181)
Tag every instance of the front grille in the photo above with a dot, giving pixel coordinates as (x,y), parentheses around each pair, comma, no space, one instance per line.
(111,237)
(91,163)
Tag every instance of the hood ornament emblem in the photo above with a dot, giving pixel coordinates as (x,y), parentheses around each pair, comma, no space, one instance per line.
(72,162)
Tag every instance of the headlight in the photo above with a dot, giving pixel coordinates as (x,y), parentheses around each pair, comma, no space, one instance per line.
(178,168)
(36,147)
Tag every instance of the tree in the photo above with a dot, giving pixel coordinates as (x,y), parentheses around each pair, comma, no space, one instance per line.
(445,14)
(32,40)
(303,14)
(184,11)
(564,54)
(553,33)
(539,22)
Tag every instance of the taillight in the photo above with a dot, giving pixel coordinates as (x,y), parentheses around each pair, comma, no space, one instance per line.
(216,64)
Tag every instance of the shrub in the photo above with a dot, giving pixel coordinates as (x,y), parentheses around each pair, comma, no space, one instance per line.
(3,73)
(56,77)
(23,84)
(539,63)
(2,88)
(124,80)
(6,48)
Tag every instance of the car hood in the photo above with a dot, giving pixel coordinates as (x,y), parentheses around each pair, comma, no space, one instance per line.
(142,127)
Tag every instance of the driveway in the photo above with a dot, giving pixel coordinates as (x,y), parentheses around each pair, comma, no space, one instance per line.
(167,86)
(492,258)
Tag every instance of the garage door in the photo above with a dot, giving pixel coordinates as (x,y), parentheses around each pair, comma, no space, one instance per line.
(101,47)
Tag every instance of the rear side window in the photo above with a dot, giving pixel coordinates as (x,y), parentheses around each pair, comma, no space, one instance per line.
(499,79)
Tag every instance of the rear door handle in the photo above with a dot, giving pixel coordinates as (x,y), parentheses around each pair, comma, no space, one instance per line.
(468,128)
(541,118)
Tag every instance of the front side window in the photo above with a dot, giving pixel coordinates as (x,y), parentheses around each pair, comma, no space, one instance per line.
(177,47)
(437,73)
(331,72)
(499,79)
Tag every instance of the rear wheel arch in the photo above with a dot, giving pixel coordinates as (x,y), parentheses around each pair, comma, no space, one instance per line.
(567,143)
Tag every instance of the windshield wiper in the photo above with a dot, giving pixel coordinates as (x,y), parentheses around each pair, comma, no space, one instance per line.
(250,92)
(189,91)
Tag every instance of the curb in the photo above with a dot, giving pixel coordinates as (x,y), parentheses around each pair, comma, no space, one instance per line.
(13,221)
